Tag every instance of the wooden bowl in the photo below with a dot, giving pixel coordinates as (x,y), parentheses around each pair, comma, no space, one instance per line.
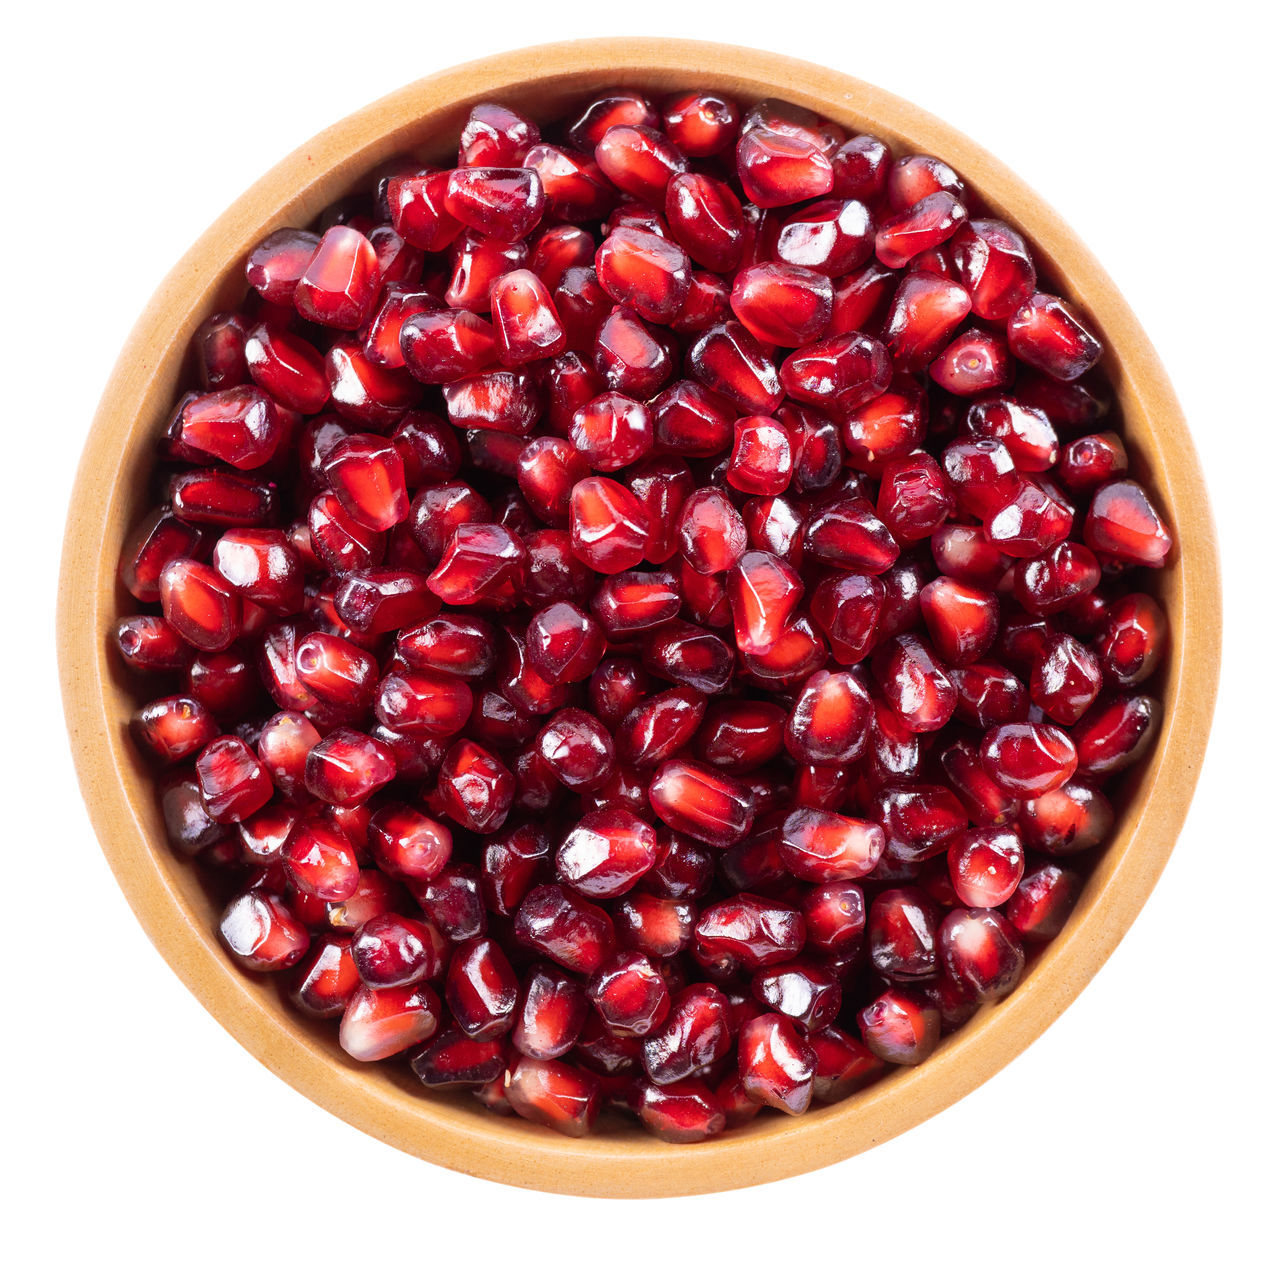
(166,893)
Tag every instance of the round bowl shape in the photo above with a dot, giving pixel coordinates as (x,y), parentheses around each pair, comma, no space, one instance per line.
(166,892)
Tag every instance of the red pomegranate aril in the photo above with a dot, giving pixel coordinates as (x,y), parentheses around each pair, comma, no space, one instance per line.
(454,1060)
(750,932)
(503,203)
(920,227)
(277,263)
(834,918)
(776,1064)
(1114,734)
(838,373)
(916,176)
(494,136)
(645,271)
(902,927)
(422,703)
(829,721)
(549,1018)
(563,644)
(1066,680)
(781,303)
(503,401)
(548,468)
(566,928)
(660,726)
(846,533)
(807,994)
(287,368)
(407,844)
(985,865)
(703,803)
(705,219)
(691,420)
(157,541)
(1132,642)
(847,607)
(340,284)
(730,361)
(841,1065)
(1028,759)
(609,525)
(710,532)
(480,561)
(700,124)
(1042,902)
(612,109)
(554,1094)
(975,361)
(761,459)
(525,320)
(900,1027)
(962,621)
(924,313)
(481,989)
(475,788)
(988,694)
(150,645)
(638,160)
(630,994)
(987,804)
(239,425)
(659,927)
(1089,461)
(981,952)
(738,736)
(763,592)
(558,249)
(261,934)
(777,169)
(1047,334)
(514,861)
(452,643)
(915,497)
(337,672)
(326,978)
(1029,523)
(820,846)
(379,1024)
(452,901)
(577,748)
(416,202)
(634,602)
(993,263)
(320,859)
(611,431)
(1025,432)
(695,1035)
(174,728)
(914,684)
(444,345)
(226,683)
(346,768)
(233,782)
(1123,524)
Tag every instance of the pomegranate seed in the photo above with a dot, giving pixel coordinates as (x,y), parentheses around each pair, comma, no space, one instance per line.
(1046,333)
(924,313)
(233,782)
(820,846)
(980,951)
(1028,759)
(914,497)
(174,728)
(763,592)
(1122,523)
(481,989)
(1089,461)
(900,1027)
(525,319)
(846,533)
(1132,642)
(340,284)
(776,1064)
(1112,736)
(834,918)
(452,644)
(681,1113)
(838,373)
(609,525)
(261,934)
(986,866)
(452,901)
(550,1016)
(631,602)
(962,621)
(703,803)
(730,361)
(577,748)
(920,227)
(454,1059)
(695,1035)
(660,726)
(700,124)
(503,203)
(346,768)
(1026,433)
(913,683)
(277,263)
(777,169)
(985,801)
(239,425)
(379,1024)
(326,978)
(555,1095)
(974,361)
(630,994)
(495,135)
(828,724)
(1039,908)
(576,934)
(1030,523)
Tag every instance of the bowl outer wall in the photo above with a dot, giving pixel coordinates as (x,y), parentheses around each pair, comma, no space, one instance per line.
(165,891)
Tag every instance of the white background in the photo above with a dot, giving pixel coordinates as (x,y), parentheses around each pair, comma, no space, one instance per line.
(1140,1128)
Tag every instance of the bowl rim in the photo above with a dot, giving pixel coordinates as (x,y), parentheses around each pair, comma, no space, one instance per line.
(627,1163)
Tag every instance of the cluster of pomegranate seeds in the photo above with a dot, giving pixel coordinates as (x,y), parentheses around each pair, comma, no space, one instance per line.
(647,617)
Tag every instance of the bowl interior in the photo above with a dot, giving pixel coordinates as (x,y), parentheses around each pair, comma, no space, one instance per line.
(168,893)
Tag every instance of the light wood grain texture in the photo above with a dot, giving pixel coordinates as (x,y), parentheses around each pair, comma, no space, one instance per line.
(165,892)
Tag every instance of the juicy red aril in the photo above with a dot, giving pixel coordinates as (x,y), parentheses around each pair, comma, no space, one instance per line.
(340,284)
(580,573)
